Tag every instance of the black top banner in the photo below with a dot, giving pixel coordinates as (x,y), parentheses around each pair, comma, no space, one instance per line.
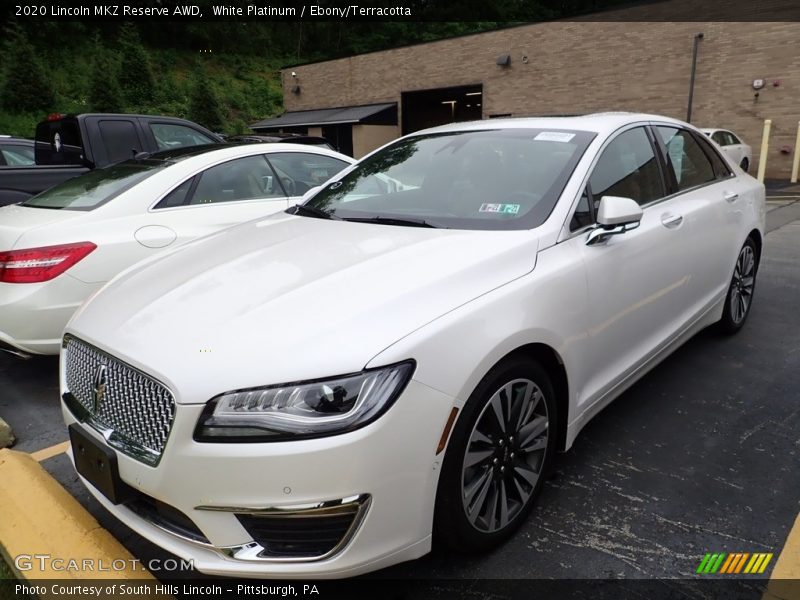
(506,11)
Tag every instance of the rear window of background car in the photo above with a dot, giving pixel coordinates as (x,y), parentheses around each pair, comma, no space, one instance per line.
(90,190)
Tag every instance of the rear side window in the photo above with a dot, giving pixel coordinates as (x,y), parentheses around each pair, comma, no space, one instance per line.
(120,139)
(301,171)
(178,196)
(628,168)
(721,170)
(96,187)
(690,165)
(169,136)
(246,178)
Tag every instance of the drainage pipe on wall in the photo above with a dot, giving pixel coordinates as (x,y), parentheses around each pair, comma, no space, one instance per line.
(697,39)
(796,158)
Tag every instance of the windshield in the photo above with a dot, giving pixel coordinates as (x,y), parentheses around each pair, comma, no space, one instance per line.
(96,187)
(491,179)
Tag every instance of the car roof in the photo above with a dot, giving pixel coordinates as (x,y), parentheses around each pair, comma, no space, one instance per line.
(236,150)
(603,122)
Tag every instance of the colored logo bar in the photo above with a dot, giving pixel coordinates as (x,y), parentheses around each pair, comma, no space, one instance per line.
(734,563)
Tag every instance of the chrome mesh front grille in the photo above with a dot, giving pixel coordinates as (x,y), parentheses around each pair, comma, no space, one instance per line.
(133,406)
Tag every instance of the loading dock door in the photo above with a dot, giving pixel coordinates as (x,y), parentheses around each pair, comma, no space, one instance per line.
(429,108)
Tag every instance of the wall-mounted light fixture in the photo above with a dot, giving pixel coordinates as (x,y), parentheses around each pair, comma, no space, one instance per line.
(504,60)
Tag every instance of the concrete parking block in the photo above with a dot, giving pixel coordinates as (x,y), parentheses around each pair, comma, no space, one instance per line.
(785,580)
(41,518)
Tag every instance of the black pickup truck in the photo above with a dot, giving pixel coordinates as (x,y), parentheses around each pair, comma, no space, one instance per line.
(67,146)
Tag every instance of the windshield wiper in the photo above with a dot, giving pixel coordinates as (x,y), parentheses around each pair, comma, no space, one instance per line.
(382,220)
(313,211)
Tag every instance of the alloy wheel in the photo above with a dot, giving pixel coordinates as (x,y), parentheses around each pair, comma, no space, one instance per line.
(505,455)
(742,284)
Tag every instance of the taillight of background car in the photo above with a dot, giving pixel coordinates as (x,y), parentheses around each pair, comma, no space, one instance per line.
(35,265)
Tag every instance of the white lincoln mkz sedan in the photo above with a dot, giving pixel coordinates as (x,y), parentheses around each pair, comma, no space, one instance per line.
(326,391)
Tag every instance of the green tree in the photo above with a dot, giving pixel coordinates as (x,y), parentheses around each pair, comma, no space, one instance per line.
(26,87)
(204,104)
(135,75)
(104,90)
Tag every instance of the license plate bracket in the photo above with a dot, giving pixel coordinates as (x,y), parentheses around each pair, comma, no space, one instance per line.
(98,465)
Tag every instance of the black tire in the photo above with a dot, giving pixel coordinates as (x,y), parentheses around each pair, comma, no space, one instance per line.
(734,313)
(745,164)
(452,525)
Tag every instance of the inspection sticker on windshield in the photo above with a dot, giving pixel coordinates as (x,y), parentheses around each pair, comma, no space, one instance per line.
(509,209)
(554,136)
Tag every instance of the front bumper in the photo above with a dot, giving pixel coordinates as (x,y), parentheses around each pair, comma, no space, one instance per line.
(391,464)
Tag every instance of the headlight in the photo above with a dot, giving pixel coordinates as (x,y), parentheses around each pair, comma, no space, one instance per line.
(303,410)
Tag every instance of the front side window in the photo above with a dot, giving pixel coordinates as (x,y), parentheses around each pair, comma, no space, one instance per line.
(628,168)
(17,155)
(488,179)
(686,158)
(301,171)
(719,137)
(170,136)
(96,187)
(247,178)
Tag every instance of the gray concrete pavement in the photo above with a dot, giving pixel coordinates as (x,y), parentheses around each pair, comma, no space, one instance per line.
(699,456)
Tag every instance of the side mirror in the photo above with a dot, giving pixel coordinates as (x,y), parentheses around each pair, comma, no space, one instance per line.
(615,216)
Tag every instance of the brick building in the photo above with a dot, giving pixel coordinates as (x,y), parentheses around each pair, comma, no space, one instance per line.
(559,67)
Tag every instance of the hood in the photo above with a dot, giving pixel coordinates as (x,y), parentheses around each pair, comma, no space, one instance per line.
(291,298)
(15,220)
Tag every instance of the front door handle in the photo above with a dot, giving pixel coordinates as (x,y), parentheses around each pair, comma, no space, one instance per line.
(671,221)
(730,196)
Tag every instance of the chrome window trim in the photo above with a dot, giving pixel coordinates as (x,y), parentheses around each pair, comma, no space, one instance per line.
(567,235)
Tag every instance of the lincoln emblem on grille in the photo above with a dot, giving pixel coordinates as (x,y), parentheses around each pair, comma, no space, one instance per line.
(99,389)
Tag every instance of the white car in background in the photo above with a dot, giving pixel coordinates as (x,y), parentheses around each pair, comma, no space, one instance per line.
(59,247)
(321,392)
(733,146)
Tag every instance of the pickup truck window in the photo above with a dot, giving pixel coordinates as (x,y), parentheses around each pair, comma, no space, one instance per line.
(120,139)
(176,136)
(17,155)
(97,187)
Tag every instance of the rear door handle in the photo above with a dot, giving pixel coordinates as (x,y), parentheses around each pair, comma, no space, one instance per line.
(730,196)
(671,221)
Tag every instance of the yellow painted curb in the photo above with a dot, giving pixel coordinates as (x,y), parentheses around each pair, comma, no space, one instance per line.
(39,517)
(784,583)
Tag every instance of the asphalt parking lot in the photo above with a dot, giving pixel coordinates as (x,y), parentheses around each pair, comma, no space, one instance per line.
(699,456)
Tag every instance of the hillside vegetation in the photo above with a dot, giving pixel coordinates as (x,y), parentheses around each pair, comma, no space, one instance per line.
(223,91)
(222,74)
